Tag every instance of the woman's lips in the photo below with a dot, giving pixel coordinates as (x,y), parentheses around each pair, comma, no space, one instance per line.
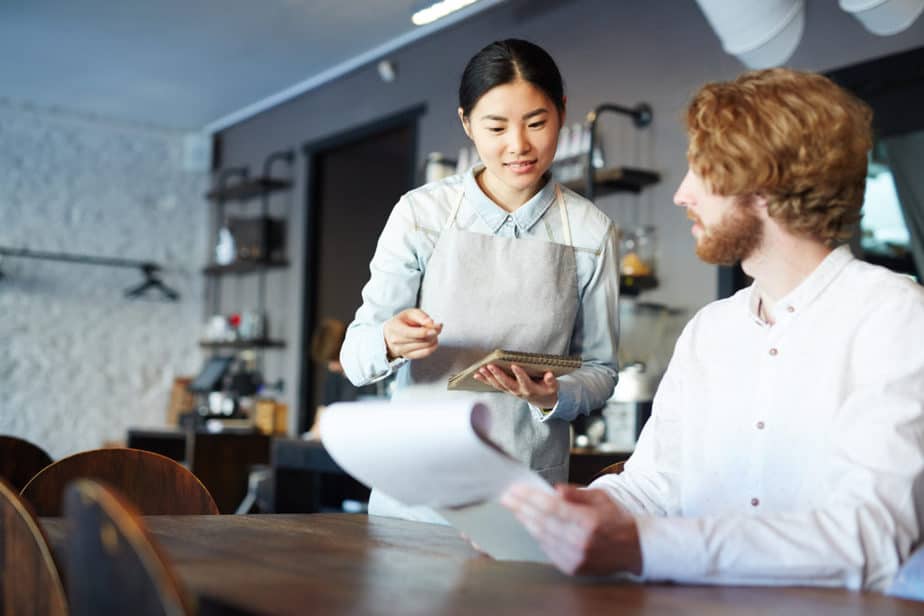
(522,166)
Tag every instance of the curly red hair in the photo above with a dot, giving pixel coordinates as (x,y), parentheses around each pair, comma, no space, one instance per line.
(795,138)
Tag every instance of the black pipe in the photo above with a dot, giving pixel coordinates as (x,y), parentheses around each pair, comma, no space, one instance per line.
(641,116)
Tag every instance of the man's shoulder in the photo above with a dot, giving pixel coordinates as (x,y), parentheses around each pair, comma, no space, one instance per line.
(722,308)
(878,285)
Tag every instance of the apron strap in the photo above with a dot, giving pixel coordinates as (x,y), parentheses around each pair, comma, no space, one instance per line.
(566,226)
(455,210)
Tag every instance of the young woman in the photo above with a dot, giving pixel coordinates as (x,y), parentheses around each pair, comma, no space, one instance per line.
(500,256)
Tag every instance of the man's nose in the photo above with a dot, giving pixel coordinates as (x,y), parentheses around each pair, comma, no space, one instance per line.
(682,196)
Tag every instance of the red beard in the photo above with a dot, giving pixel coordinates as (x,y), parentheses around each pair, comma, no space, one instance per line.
(733,238)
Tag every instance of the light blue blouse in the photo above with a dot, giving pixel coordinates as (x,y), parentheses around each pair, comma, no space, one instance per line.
(408,239)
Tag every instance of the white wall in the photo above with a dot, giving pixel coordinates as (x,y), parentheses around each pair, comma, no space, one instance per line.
(79,363)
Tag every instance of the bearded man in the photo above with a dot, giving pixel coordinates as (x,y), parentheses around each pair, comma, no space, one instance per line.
(786,444)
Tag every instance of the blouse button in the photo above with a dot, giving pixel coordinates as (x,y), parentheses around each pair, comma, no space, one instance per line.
(754,502)
(760,425)
(790,309)
(774,352)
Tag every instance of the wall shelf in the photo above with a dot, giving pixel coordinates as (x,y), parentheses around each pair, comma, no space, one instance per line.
(248,188)
(616,179)
(631,286)
(244,267)
(260,343)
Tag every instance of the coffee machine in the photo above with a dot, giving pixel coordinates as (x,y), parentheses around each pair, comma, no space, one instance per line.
(648,332)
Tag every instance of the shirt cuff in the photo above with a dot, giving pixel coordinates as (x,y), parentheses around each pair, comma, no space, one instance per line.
(672,548)
(381,367)
(565,402)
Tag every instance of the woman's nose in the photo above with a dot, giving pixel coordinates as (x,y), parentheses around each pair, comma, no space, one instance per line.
(519,143)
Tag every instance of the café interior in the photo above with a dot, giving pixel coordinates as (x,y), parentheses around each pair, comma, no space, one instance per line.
(191,194)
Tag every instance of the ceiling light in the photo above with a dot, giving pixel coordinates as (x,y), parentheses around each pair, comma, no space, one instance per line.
(438,10)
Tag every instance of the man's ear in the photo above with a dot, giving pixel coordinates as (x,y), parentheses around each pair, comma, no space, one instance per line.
(759,202)
(465,123)
(564,107)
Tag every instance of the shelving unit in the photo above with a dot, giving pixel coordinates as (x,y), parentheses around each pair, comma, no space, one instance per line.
(601,182)
(257,343)
(236,185)
(616,179)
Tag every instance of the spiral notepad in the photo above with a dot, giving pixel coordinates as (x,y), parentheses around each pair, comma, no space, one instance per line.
(535,365)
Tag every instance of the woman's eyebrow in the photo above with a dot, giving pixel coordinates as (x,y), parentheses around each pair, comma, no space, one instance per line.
(526,116)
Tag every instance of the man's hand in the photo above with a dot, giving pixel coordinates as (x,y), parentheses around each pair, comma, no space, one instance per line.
(582,531)
(412,334)
(542,393)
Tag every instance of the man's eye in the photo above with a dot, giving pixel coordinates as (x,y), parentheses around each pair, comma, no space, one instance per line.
(495,129)
(537,124)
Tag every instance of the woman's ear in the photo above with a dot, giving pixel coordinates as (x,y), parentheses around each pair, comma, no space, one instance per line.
(465,123)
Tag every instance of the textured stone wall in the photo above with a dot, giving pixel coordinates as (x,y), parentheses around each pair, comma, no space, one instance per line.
(79,363)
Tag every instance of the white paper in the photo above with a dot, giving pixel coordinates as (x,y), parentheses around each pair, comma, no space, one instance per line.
(435,453)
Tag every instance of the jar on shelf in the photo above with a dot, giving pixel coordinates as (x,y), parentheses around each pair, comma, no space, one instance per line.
(638,247)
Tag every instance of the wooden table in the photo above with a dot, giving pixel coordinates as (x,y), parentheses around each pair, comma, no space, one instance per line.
(353,564)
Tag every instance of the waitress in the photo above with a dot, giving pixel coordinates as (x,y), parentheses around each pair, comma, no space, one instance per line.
(500,256)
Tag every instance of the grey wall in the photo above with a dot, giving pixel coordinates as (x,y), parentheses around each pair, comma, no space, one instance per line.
(78,362)
(657,51)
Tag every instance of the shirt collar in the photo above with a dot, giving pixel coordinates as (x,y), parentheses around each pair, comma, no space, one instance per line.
(494,216)
(809,289)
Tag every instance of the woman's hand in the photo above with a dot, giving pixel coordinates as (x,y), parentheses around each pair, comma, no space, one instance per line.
(412,334)
(540,392)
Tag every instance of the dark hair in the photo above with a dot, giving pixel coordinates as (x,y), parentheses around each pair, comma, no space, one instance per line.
(503,62)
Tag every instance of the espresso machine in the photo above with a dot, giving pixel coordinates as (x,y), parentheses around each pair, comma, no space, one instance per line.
(648,332)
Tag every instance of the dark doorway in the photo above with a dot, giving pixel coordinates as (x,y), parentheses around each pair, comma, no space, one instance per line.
(354,180)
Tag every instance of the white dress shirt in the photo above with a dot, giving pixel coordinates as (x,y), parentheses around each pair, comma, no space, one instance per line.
(405,246)
(793,453)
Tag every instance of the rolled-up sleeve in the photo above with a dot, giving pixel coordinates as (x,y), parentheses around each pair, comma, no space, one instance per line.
(395,274)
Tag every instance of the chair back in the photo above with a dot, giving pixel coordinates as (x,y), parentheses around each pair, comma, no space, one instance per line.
(155,484)
(613,469)
(113,564)
(29,579)
(20,460)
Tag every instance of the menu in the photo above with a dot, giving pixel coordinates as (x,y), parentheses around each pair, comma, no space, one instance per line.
(435,453)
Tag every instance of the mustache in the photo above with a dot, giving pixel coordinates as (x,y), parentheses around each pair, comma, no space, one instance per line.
(694,218)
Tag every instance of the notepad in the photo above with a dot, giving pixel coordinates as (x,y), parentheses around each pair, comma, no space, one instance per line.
(535,365)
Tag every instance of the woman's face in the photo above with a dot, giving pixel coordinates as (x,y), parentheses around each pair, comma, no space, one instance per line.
(515,129)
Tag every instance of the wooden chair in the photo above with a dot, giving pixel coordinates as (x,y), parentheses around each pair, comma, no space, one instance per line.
(155,484)
(29,579)
(113,564)
(20,460)
(613,469)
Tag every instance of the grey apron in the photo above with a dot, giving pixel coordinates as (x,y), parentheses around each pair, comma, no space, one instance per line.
(494,292)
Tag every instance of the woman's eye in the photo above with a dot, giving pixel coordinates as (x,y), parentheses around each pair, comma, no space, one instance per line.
(537,124)
(495,129)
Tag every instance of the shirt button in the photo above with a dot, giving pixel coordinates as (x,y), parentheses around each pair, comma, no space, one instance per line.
(760,425)
(790,309)
(754,502)
(773,352)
